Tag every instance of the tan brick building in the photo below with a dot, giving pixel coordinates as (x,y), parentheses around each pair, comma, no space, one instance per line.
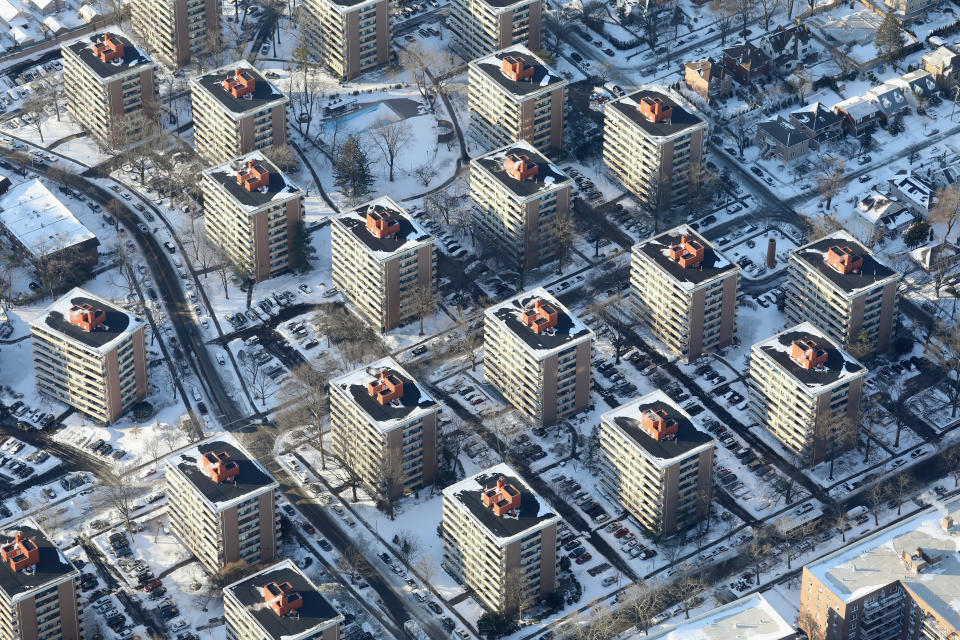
(254,214)
(538,356)
(708,78)
(90,355)
(656,463)
(654,144)
(517,195)
(382,260)
(111,88)
(480,27)
(802,386)
(750,617)
(514,95)
(837,284)
(177,30)
(384,425)
(279,603)
(222,504)
(499,538)
(349,37)
(685,291)
(236,111)
(39,595)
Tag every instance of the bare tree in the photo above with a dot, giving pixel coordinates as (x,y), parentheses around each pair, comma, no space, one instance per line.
(425,302)
(945,353)
(516,592)
(767,9)
(725,12)
(785,488)
(875,500)
(120,494)
(952,457)
(841,434)
(757,553)
(406,546)
(641,604)
(388,482)
(283,156)
(565,235)
(619,323)
(947,209)
(830,181)
(32,108)
(257,379)
(391,137)
(741,131)
(898,487)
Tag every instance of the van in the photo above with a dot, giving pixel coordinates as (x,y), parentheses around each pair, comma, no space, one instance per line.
(196,394)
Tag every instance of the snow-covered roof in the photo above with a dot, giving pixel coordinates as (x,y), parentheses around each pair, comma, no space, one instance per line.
(876,561)
(749,618)
(22,37)
(816,117)
(134,59)
(657,249)
(410,235)
(264,95)
(415,403)
(913,188)
(118,326)
(940,58)
(684,118)
(950,174)
(917,83)
(54,25)
(10,12)
(567,332)
(783,132)
(534,514)
(88,13)
(839,368)
(52,569)
(548,178)
(859,27)
(881,210)
(858,108)
(872,274)
(44,5)
(543,79)
(932,255)
(889,98)
(279,189)
(39,221)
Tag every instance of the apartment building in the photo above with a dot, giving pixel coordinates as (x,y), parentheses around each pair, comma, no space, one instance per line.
(39,597)
(802,387)
(91,355)
(900,582)
(480,27)
(746,618)
(382,261)
(178,30)
(279,603)
(656,463)
(499,539)
(685,291)
(222,504)
(514,95)
(537,354)
(654,144)
(254,214)
(837,284)
(111,88)
(349,37)
(236,111)
(384,425)
(708,78)
(517,196)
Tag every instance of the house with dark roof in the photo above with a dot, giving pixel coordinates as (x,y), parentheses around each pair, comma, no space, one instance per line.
(787,47)
(780,139)
(860,116)
(819,122)
(708,78)
(746,62)
(913,191)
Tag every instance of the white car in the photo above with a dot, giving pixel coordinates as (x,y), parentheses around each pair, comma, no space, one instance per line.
(179,624)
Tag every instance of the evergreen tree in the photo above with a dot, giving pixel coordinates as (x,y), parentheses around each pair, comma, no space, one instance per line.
(916,234)
(889,39)
(351,171)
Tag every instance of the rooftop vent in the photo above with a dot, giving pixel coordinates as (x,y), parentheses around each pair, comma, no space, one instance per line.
(503,498)
(254,176)
(240,84)
(655,109)
(688,252)
(658,425)
(109,48)
(519,166)
(807,354)
(382,222)
(21,554)
(282,598)
(220,467)
(86,317)
(843,259)
(541,317)
(516,68)
(386,387)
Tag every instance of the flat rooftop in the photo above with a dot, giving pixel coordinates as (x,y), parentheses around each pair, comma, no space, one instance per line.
(627,418)
(252,480)
(314,616)
(52,568)
(683,118)
(549,176)
(40,221)
(715,264)
(264,94)
(414,403)
(840,366)
(118,324)
(543,79)
(133,57)
(534,512)
(568,331)
(410,235)
(279,188)
(749,618)
(873,272)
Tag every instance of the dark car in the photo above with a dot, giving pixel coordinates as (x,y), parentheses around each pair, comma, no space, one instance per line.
(576,56)
(152,293)
(202,408)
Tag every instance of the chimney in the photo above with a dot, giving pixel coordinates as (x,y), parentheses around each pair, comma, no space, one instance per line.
(688,252)
(503,498)
(86,317)
(282,598)
(655,109)
(381,222)
(219,467)
(519,166)
(386,387)
(807,354)
(771,253)
(21,554)
(541,316)
(946,523)
(109,48)
(843,259)
(658,425)
(240,84)
(254,176)
(516,68)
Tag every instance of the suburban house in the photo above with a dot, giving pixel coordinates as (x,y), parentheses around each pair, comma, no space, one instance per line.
(882,211)
(913,191)
(936,256)
(860,117)
(708,78)
(787,47)
(780,139)
(944,65)
(819,122)
(746,62)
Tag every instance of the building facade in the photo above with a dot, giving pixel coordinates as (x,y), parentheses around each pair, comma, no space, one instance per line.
(111,88)
(685,291)
(838,285)
(656,463)
(349,37)
(39,595)
(500,539)
(708,78)
(177,30)
(383,262)
(538,356)
(943,64)
(254,215)
(782,140)
(384,425)
(513,96)
(654,145)
(222,504)
(517,196)
(279,603)
(806,392)
(480,27)
(236,111)
(91,355)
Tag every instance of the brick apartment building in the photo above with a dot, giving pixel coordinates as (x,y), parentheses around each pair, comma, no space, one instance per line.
(746,62)
(480,27)
(178,30)
(708,78)
(349,37)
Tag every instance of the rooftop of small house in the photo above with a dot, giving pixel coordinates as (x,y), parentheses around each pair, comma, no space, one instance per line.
(714,264)
(839,366)
(568,329)
(52,567)
(537,77)
(415,402)
(251,479)
(682,118)
(132,57)
(279,186)
(688,438)
(748,618)
(263,94)
(116,325)
(548,175)
(871,273)
(408,235)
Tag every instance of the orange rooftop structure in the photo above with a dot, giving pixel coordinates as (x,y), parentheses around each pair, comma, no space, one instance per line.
(86,317)
(541,317)
(282,598)
(688,252)
(240,84)
(654,109)
(843,259)
(381,222)
(519,167)
(386,387)
(503,498)
(108,49)
(220,467)
(21,554)
(254,177)
(516,68)
(658,425)
(807,354)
